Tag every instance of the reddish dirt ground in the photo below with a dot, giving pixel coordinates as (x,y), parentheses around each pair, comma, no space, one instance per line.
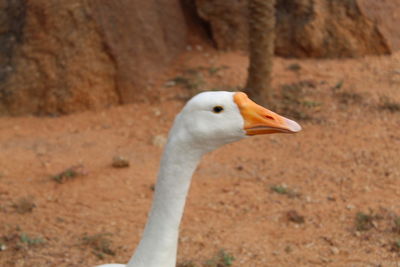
(345,161)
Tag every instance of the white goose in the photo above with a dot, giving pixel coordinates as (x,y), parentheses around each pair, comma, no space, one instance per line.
(208,121)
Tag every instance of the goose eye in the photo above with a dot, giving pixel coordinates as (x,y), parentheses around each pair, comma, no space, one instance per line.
(218,109)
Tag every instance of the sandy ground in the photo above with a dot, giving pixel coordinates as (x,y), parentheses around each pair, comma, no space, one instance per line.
(345,162)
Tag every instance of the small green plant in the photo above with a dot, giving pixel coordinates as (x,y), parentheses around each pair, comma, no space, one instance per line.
(389,105)
(24,205)
(283,190)
(17,240)
(180,80)
(364,222)
(222,259)
(30,241)
(192,79)
(349,97)
(214,69)
(279,189)
(292,100)
(311,103)
(195,79)
(69,174)
(100,243)
(338,85)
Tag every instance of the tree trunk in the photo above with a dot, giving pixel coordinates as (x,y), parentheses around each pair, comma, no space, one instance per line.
(261,49)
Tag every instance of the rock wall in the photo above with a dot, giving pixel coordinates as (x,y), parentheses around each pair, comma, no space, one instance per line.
(228,21)
(307,28)
(58,57)
(142,37)
(64,56)
(385,14)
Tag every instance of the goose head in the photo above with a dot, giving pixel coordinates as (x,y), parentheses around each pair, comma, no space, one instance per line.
(212,119)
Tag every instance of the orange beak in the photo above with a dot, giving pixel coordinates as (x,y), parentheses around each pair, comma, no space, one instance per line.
(259,120)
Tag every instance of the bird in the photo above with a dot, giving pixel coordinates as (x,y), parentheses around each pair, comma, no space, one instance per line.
(208,121)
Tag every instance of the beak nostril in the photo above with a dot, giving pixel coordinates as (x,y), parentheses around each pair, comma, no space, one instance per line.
(269,117)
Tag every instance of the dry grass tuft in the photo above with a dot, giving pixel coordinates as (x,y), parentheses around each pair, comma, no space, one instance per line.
(69,173)
(100,243)
(24,205)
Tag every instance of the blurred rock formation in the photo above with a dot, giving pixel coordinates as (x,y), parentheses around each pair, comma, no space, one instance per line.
(58,57)
(306,28)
